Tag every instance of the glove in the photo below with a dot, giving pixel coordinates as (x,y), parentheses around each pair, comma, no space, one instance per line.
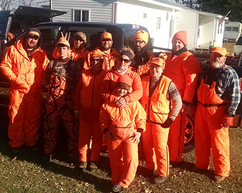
(167,123)
(227,121)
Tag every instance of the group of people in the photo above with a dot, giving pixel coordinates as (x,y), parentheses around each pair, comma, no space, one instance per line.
(118,99)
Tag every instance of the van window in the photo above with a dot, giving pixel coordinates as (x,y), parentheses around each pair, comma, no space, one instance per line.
(93,36)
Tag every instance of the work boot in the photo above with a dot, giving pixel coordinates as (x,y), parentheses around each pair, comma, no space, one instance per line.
(149,173)
(49,158)
(160,179)
(16,150)
(83,165)
(117,188)
(198,170)
(92,166)
(219,178)
(33,148)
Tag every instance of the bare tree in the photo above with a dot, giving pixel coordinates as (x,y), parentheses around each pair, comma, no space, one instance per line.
(5,4)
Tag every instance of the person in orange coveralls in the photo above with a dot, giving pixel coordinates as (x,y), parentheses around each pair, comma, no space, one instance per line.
(182,67)
(162,103)
(24,64)
(110,54)
(87,107)
(61,78)
(218,98)
(78,52)
(123,127)
(142,55)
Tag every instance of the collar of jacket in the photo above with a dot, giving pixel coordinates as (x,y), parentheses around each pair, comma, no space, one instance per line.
(179,52)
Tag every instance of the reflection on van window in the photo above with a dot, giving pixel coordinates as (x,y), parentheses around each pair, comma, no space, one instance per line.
(49,35)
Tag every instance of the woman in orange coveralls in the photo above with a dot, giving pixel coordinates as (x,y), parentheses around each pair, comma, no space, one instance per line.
(24,64)
(87,107)
(123,127)
(162,103)
(61,78)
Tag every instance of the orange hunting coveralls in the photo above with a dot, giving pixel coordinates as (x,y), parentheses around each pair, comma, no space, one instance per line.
(88,102)
(183,70)
(122,152)
(155,137)
(209,133)
(25,102)
(108,60)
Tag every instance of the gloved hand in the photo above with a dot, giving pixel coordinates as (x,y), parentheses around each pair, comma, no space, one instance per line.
(167,123)
(227,121)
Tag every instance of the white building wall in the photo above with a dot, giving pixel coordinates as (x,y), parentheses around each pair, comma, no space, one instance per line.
(134,14)
(99,11)
(187,21)
(206,33)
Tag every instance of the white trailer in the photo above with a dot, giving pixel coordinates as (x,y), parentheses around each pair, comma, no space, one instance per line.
(232,31)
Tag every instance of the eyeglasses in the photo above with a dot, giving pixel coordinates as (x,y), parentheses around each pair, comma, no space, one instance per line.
(78,39)
(125,60)
(139,41)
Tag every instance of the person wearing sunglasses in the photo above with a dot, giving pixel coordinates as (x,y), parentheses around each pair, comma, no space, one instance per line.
(110,54)
(24,65)
(122,66)
(87,107)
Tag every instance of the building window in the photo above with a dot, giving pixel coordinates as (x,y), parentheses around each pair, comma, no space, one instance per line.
(235,29)
(81,15)
(158,22)
(227,28)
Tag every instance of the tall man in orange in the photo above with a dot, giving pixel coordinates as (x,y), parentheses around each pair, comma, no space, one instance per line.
(24,64)
(87,107)
(110,54)
(218,96)
(182,67)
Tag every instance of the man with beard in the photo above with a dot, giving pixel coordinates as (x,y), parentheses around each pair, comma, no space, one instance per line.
(218,98)
(24,65)
(142,55)
(110,54)
(182,67)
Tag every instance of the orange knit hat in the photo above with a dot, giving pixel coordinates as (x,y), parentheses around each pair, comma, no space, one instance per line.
(125,81)
(158,61)
(142,34)
(181,35)
(220,50)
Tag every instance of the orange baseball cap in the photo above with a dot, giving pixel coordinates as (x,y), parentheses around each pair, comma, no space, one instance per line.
(97,54)
(142,34)
(63,42)
(158,61)
(220,50)
(106,35)
(81,35)
(34,33)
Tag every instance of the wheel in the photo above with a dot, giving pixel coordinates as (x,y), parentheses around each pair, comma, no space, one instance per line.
(189,143)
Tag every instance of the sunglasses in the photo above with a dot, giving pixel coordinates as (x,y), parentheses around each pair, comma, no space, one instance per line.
(78,39)
(139,41)
(125,60)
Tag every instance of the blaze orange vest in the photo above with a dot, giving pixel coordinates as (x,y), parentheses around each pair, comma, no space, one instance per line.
(156,106)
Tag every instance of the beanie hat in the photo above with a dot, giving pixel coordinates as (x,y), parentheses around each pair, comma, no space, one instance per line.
(158,61)
(126,81)
(63,42)
(106,35)
(142,34)
(97,54)
(220,50)
(181,35)
(81,35)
